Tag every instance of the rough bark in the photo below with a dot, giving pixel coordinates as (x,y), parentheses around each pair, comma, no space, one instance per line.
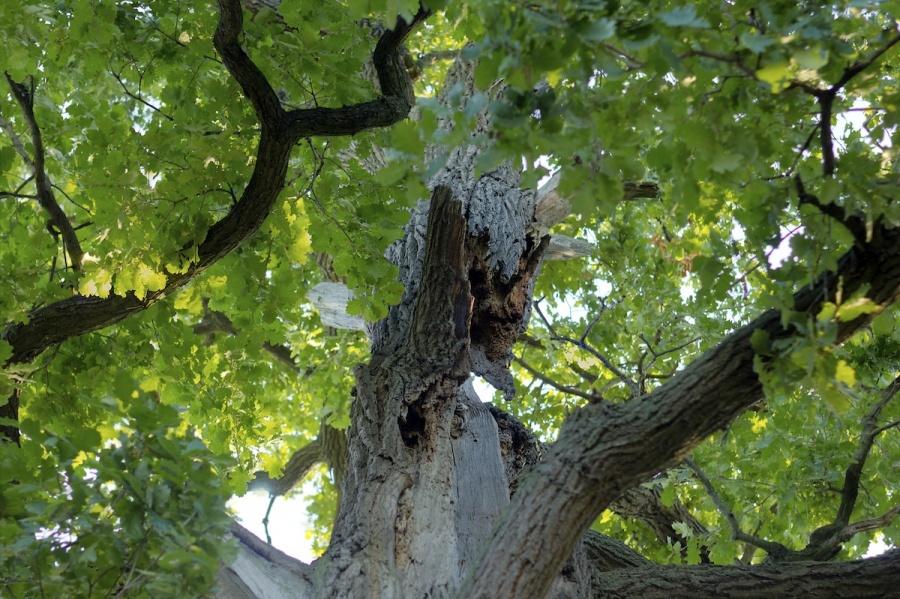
(875,578)
(425,480)
(260,570)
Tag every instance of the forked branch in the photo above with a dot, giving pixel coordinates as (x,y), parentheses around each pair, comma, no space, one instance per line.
(59,223)
(775,550)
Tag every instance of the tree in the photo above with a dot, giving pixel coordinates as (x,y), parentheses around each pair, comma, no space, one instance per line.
(694,371)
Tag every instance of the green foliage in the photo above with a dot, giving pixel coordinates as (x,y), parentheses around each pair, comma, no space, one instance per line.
(138,515)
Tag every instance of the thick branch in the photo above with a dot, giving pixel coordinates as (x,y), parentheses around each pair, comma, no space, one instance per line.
(443,309)
(874,578)
(861,65)
(826,98)
(260,570)
(396,87)
(604,449)
(252,81)
(551,208)
(303,460)
(870,524)
(330,447)
(607,554)
(25,98)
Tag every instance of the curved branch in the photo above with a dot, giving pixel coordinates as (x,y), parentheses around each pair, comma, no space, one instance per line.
(606,554)
(854,224)
(645,505)
(870,524)
(303,460)
(252,81)
(861,65)
(396,87)
(24,96)
(330,447)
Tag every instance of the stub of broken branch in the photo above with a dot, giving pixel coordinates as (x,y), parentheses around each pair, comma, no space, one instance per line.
(567,248)
(330,300)
(551,208)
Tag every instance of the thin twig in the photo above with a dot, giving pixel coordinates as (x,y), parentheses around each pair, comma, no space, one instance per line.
(558,386)
(24,96)
(635,389)
(265,519)
(24,196)
(138,97)
(773,548)
(854,471)
(860,66)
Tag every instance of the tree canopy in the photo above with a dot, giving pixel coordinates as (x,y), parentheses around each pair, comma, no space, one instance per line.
(708,274)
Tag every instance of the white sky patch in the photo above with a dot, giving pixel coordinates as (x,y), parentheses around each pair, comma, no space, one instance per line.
(782,252)
(288,524)
(877,547)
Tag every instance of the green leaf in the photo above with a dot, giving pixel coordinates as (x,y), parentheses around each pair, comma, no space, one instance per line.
(756,41)
(844,373)
(811,58)
(725,162)
(761,342)
(853,309)
(834,397)
(777,76)
(599,30)
(6,351)
(692,557)
(685,16)
(667,496)
(884,323)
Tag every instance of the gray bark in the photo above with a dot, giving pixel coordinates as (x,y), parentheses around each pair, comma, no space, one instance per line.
(874,578)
